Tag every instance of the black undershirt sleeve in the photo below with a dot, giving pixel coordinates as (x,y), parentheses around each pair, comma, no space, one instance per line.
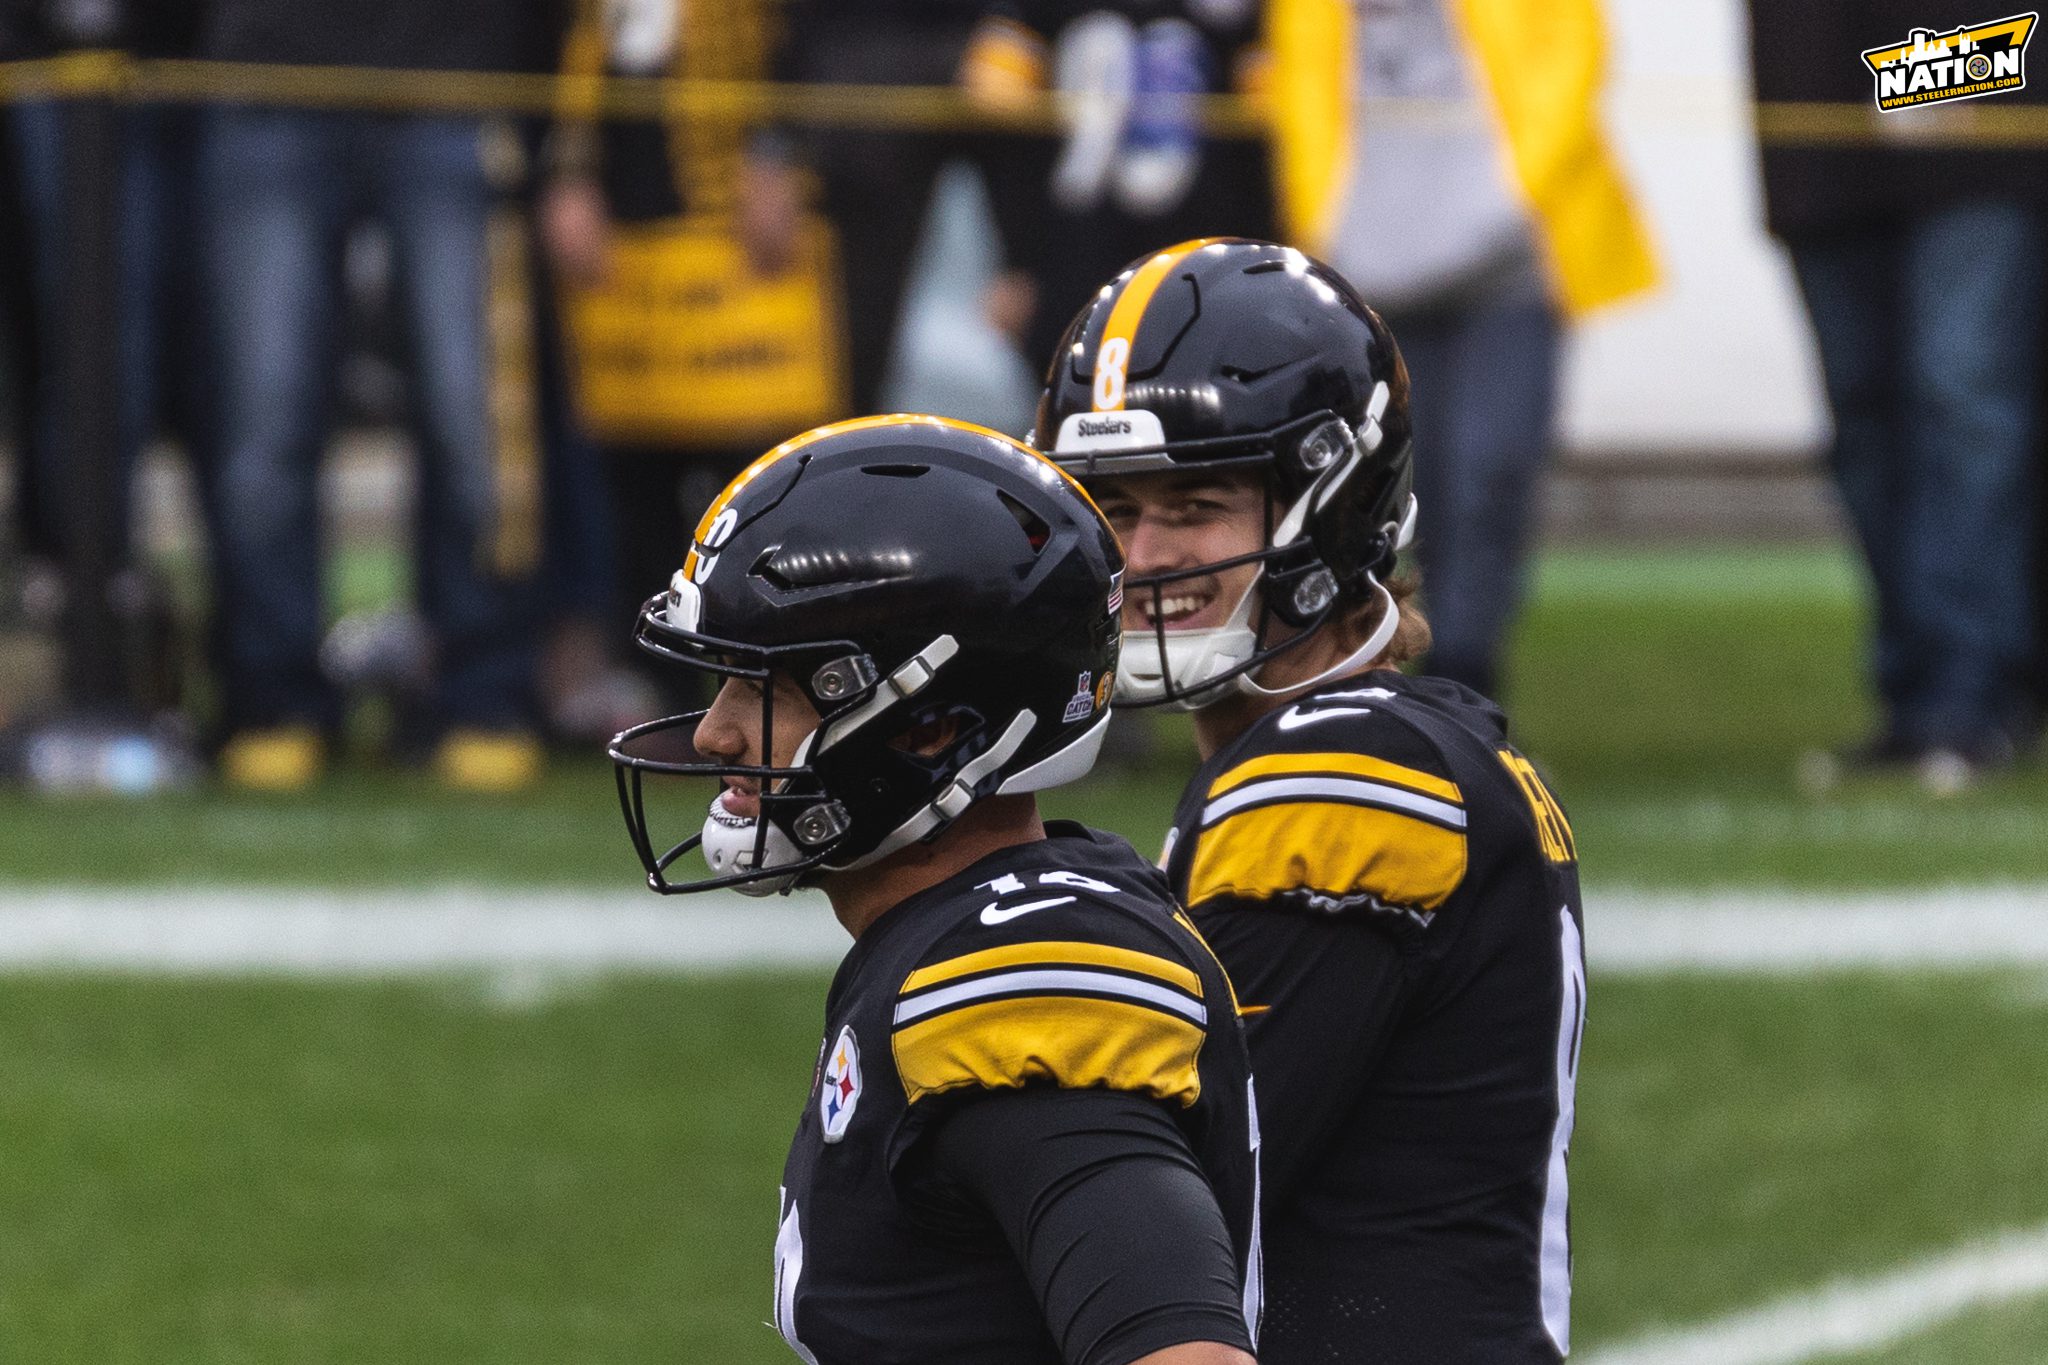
(1109,1213)
(1321,998)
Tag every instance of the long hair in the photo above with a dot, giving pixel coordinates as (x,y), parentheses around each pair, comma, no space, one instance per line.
(1411,637)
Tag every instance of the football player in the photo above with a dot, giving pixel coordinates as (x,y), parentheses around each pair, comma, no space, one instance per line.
(1389,882)
(1030,1136)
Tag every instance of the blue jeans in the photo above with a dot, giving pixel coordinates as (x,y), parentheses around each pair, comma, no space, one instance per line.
(159,356)
(1483,390)
(1929,334)
(280,190)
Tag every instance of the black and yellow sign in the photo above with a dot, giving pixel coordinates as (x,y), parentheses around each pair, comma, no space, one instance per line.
(1969,63)
(686,345)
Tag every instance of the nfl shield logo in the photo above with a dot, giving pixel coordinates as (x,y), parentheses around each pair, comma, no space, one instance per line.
(840,1090)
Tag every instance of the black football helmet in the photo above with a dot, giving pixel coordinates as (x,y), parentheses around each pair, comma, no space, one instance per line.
(1234,353)
(900,570)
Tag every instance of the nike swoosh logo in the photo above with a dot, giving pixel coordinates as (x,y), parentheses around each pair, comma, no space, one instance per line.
(1293,718)
(991,915)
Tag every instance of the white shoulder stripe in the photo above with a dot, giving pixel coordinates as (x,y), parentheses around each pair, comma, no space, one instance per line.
(1337,788)
(1053,979)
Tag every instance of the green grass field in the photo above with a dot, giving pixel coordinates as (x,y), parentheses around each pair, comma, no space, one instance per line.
(413,1173)
(444,1171)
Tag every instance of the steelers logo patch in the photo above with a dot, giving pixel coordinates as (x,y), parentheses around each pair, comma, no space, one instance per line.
(839,1091)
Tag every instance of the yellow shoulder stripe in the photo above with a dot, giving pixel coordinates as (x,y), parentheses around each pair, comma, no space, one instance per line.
(1331,849)
(1356,765)
(1073,1042)
(1056,954)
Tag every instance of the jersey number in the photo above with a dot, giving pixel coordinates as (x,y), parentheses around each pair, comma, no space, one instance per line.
(789,1268)
(1554,1275)
(1009,884)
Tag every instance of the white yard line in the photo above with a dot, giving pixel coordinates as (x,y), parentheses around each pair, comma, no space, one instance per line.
(384,932)
(1767,931)
(1854,1315)
(363,933)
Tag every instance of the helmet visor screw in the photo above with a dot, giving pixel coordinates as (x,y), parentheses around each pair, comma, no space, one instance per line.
(820,823)
(1315,592)
(1321,447)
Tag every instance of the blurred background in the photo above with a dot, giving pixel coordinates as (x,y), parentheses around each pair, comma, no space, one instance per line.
(364,364)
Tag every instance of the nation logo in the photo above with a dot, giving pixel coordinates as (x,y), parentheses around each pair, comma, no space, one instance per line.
(840,1090)
(1972,61)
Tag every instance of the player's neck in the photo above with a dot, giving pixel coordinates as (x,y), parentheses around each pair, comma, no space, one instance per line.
(862,896)
(1287,674)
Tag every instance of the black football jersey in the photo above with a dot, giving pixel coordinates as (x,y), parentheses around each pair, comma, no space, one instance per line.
(1059,963)
(1394,891)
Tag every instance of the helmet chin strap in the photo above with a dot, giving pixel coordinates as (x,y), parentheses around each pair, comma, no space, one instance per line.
(1390,621)
(1382,635)
(951,803)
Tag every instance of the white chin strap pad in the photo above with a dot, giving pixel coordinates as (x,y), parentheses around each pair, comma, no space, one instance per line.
(1190,659)
(1390,621)
(729,847)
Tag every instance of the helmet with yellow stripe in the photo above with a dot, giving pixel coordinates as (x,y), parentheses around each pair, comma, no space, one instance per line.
(1228,354)
(908,575)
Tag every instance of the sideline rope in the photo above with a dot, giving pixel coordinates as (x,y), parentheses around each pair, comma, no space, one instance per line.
(899,108)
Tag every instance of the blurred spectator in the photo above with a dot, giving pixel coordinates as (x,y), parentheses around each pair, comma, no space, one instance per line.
(686,352)
(1135,171)
(158,364)
(161,375)
(2038,549)
(20,348)
(1920,263)
(280,188)
(1484,211)
(876,184)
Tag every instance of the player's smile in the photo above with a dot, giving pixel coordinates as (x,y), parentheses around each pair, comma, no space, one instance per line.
(1189,605)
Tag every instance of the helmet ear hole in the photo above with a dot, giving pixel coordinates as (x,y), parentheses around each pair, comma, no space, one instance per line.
(1036,532)
(929,736)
